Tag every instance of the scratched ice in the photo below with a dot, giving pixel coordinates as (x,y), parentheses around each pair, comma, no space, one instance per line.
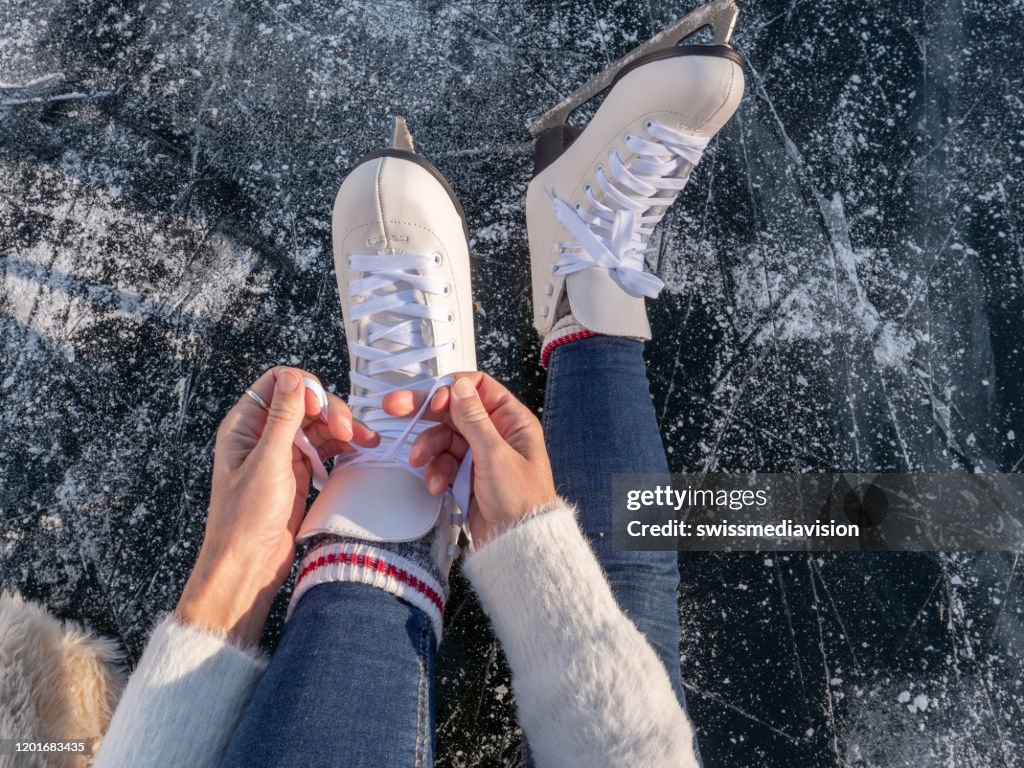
(846,289)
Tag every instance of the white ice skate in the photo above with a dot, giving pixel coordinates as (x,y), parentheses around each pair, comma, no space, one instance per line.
(598,194)
(401,254)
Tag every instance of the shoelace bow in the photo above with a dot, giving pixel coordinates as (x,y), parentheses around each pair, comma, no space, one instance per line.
(389,288)
(612,233)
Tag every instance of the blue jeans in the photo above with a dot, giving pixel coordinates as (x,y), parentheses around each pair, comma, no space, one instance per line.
(351,683)
(598,421)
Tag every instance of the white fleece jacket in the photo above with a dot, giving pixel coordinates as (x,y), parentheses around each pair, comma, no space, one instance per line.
(589,689)
(183,701)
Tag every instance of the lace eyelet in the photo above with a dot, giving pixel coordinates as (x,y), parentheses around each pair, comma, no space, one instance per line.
(349,262)
(648,125)
(451,317)
(547,311)
(549,289)
(447,290)
(437,258)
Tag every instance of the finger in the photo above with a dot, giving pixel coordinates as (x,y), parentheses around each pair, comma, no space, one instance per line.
(247,416)
(316,398)
(472,420)
(440,473)
(264,386)
(408,402)
(339,419)
(491,392)
(320,433)
(435,441)
(287,409)
(249,410)
(327,444)
(441,400)
(515,422)
(363,435)
(331,448)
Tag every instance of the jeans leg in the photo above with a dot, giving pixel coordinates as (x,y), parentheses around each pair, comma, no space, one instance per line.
(599,420)
(351,684)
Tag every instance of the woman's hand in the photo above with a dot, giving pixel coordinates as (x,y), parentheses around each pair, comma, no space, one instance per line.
(511,472)
(257,501)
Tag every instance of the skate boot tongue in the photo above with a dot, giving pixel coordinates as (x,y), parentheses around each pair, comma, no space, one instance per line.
(376,495)
(374,503)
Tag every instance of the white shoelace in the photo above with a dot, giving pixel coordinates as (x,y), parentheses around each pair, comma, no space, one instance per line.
(390,287)
(612,233)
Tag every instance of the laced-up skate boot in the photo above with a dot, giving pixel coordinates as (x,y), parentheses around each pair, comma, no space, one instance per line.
(597,195)
(402,259)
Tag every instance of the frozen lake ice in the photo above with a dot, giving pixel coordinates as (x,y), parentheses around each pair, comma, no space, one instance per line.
(845,292)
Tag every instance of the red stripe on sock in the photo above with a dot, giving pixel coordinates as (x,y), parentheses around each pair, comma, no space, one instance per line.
(551,345)
(375,564)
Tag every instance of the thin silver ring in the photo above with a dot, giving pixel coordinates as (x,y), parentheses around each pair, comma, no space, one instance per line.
(259,400)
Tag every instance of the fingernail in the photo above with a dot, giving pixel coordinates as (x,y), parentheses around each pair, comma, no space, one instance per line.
(463,388)
(314,386)
(287,381)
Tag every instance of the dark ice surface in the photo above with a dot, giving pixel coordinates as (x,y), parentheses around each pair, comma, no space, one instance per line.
(845,292)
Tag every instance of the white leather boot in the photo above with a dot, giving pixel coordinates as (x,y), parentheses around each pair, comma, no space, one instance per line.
(401,254)
(597,196)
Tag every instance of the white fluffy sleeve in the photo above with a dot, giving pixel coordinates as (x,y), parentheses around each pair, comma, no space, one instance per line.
(589,689)
(182,702)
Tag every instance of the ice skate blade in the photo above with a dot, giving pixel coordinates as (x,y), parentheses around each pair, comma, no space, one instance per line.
(720,15)
(400,136)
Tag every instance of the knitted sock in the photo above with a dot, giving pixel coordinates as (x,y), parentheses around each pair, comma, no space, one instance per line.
(405,569)
(565,329)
